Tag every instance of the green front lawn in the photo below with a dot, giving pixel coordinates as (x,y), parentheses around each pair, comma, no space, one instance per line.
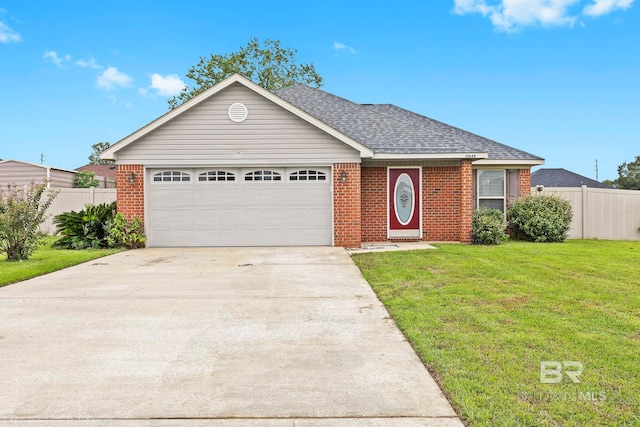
(46,260)
(484,318)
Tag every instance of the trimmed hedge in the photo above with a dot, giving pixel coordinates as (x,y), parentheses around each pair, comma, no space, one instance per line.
(488,227)
(540,218)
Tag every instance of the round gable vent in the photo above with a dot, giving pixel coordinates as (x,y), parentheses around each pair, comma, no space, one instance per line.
(238,112)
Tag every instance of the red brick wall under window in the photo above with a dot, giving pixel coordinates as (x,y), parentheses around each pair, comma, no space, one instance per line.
(130,196)
(346,205)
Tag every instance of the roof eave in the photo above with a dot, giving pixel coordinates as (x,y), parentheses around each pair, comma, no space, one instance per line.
(515,162)
(435,156)
(109,153)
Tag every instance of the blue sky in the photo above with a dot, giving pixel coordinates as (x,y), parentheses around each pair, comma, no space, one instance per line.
(558,78)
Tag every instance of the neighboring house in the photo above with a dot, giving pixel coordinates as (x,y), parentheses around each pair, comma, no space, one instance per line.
(24,173)
(105,174)
(241,166)
(558,177)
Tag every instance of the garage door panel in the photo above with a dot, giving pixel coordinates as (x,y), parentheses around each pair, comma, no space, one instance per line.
(182,237)
(239,213)
(171,218)
(215,197)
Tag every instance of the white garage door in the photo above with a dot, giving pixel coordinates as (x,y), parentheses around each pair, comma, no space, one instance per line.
(239,207)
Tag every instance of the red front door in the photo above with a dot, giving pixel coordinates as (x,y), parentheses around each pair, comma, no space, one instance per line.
(404,202)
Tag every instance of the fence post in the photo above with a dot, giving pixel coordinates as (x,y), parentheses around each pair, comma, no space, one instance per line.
(92,195)
(584,211)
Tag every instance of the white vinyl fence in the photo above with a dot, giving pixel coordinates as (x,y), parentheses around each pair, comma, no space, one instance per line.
(601,213)
(75,199)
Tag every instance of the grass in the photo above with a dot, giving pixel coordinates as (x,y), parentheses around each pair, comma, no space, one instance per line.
(483,318)
(46,260)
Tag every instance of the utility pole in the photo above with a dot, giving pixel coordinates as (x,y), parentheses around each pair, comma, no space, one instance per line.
(42,159)
(597,171)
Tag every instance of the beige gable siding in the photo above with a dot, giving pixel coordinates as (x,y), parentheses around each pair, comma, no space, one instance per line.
(21,174)
(204,135)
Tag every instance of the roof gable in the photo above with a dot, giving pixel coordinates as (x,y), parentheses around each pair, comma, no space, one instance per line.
(381,131)
(110,152)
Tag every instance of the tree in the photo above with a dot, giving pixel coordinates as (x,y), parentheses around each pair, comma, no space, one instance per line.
(96,149)
(86,179)
(269,65)
(629,175)
(21,213)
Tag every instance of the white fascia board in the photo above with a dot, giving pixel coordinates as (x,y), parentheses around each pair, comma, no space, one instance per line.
(436,156)
(109,153)
(526,162)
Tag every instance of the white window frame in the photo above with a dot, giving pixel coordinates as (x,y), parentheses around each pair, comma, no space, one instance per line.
(504,188)
(162,173)
(280,175)
(235,174)
(316,174)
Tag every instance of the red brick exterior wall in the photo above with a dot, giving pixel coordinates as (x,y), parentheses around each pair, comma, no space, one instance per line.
(524,177)
(447,203)
(130,196)
(374,204)
(346,205)
(441,194)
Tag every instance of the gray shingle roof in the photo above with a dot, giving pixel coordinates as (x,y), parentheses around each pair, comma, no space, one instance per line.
(385,128)
(559,177)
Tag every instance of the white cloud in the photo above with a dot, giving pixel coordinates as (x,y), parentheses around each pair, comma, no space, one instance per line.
(8,35)
(513,15)
(55,58)
(337,46)
(168,85)
(603,7)
(89,63)
(112,78)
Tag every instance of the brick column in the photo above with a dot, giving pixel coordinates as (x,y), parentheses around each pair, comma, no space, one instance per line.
(466,200)
(374,203)
(347,231)
(130,197)
(524,176)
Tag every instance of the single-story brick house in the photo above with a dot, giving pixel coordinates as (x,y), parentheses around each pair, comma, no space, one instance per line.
(241,166)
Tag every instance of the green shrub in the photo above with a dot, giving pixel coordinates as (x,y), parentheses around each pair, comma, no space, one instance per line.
(123,233)
(86,179)
(84,229)
(488,227)
(21,213)
(540,218)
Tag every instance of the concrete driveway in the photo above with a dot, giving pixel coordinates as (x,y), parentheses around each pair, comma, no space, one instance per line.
(215,337)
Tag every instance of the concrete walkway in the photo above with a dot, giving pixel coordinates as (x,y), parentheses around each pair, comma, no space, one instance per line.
(209,337)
